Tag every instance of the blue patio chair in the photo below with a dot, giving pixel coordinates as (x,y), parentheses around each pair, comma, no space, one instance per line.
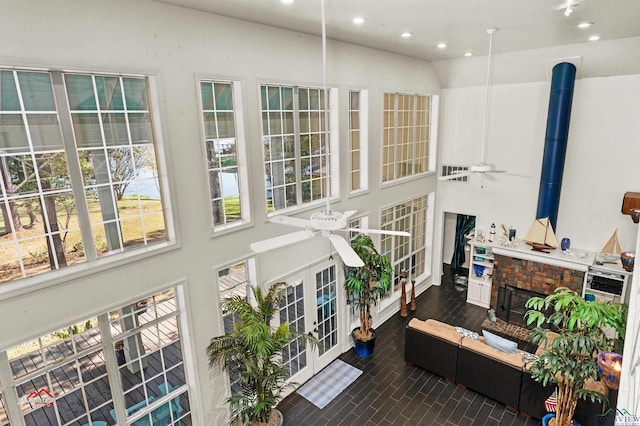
(143,421)
(161,416)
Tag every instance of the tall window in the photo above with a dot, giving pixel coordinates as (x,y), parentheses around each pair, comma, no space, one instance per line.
(405,136)
(406,254)
(222,142)
(125,366)
(358,138)
(4,417)
(294,140)
(78,173)
(232,281)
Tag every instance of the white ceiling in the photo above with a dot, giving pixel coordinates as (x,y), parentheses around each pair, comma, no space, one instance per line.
(462,24)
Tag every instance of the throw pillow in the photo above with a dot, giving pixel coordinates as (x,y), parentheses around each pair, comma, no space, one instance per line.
(467,333)
(500,343)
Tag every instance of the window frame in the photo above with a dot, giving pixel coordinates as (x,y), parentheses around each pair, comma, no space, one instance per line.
(429,151)
(94,262)
(250,282)
(426,237)
(334,148)
(241,155)
(108,337)
(363,149)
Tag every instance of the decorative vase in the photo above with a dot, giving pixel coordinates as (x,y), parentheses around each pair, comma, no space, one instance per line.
(547,417)
(627,258)
(610,366)
(565,244)
(363,348)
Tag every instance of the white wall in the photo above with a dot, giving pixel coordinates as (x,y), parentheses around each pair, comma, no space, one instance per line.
(601,160)
(178,46)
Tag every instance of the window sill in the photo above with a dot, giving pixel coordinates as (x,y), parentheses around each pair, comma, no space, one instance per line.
(45,280)
(221,230)
(406,179)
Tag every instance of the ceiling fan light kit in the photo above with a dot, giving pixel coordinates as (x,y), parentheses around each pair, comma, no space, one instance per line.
(325,222)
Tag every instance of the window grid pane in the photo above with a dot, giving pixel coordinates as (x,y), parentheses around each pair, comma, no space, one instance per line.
(4,417)
(326,304)
(294,143)
(232,281)
(111,121)
(34,181)
(112,125)
(354,138)
(406,254)
(150,358)
(222,156)
(61,378)
(405,135)
(294,355)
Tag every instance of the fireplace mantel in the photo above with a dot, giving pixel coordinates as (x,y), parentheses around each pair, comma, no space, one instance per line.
(580,260)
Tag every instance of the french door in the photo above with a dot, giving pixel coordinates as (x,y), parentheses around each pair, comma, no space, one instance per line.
(312,302)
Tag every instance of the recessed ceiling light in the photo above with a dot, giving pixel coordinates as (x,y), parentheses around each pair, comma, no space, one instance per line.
(406,34)
(442,45)
(585,24)
(358,20)
(468,54)
(594,38)
(287,1)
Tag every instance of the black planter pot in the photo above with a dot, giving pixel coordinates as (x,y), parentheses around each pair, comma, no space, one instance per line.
(363,348)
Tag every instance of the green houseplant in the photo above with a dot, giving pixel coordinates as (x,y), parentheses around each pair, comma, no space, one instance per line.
(366,285)
(252,352)
(569,360)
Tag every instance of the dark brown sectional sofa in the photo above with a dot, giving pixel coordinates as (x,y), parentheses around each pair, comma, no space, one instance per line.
(437,347)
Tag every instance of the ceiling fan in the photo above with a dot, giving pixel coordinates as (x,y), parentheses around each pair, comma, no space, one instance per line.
(325,223)
(481,168)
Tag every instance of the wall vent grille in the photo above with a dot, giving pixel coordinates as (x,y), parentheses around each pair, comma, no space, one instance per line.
(448,169)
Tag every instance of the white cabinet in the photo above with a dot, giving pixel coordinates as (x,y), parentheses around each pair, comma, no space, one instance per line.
(480,272)
(608,282)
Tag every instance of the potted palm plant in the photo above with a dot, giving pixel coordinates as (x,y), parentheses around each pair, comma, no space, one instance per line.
(570,359)
(365,286)
(252,352)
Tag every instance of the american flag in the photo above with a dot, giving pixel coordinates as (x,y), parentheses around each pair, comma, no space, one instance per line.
(551,403)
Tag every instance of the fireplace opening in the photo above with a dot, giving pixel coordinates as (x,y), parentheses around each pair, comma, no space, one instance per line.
(511,304)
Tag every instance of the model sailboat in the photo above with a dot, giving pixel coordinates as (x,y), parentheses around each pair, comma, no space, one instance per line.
(610,252)
(541,236)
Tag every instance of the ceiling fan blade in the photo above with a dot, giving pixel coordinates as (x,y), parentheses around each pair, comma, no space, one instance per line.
(489,177)
(291,221)
(281,240)
(379,231)
(349,257)
(454,176)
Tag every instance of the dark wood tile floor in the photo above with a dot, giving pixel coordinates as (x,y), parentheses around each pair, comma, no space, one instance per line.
(389,392)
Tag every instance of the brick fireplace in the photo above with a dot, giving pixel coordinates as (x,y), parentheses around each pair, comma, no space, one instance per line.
(533,276)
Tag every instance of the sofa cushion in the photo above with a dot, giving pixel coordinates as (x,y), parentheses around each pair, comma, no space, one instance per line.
(515,360)
(500,343)
(436,328)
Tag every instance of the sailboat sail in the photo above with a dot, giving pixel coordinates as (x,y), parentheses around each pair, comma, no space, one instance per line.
(541,235)
(612,246)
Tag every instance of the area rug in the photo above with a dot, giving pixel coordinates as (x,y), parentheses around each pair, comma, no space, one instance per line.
(328,383)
